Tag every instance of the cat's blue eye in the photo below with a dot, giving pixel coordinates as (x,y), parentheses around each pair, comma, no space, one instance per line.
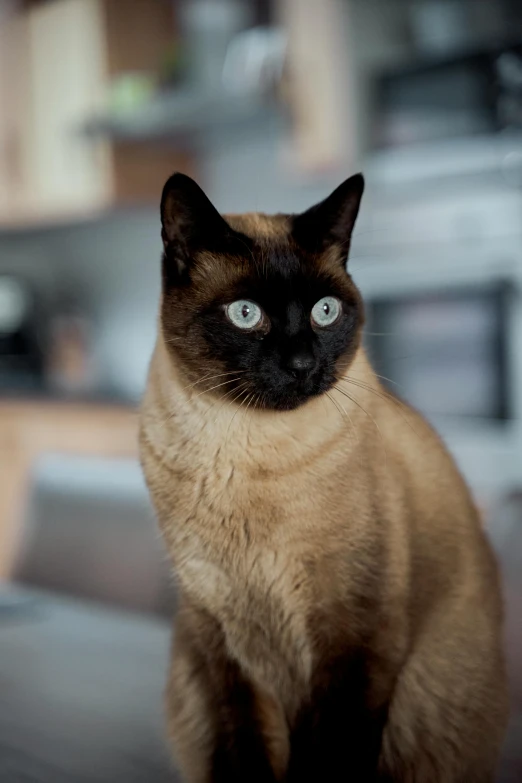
(244,314)
(326,311)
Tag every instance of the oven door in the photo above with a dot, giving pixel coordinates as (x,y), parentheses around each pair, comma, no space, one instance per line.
(446,350)
(443,328)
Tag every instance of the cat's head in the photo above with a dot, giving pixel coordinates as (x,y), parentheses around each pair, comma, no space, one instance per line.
(259,308)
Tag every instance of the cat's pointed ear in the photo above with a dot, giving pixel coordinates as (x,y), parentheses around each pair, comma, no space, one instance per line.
(189,221)
(330,222)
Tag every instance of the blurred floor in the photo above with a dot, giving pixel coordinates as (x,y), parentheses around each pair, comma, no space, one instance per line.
(82,693)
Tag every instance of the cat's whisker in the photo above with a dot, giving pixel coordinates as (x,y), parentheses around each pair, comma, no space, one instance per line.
(384,378)
(212,388)
(349,396)
(211,377)
(260,401)
(226,398)
(248,402)
(235,413)
(381,392)
(352,430)
(366,261)
(352,426)
(402,408)
(252,400)
(250,419)
(217,386)
(336,405)
(255,407)
(242,385)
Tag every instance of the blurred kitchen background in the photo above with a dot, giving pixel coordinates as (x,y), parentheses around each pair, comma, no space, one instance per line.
(269,104)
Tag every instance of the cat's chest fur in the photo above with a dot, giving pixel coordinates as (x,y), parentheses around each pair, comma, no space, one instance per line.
(260,600)
(227,536)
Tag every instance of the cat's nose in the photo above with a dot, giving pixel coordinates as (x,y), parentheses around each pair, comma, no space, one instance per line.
(301,364)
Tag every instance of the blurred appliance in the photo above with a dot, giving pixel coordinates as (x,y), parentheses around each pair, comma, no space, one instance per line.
(441,273)
(209,28)
(21,359)
(255,61)
(450,96)
(440,27)
(448,349)
(444,26)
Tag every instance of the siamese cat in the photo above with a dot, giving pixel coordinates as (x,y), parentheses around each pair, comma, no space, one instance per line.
(339,613)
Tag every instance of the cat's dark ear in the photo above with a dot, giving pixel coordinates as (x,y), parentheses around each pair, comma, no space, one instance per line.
(189,222)
(330,222)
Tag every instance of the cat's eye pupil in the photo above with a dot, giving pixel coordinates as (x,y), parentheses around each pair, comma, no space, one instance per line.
(326,312)
(245,314)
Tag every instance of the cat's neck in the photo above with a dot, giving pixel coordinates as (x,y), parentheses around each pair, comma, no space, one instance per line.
(177,412)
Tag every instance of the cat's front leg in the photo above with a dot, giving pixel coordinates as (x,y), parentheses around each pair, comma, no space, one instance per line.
(223,728)
(243,750)
(448,713)
(337,737)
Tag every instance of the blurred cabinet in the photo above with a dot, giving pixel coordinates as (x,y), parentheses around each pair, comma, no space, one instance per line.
(57,61)
(14,115)
(67,74)
(321,93)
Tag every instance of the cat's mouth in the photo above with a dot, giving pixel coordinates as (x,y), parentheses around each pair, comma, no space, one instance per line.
(290,395)
(289,402)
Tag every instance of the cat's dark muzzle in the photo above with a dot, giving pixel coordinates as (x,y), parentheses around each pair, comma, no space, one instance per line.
(292,392)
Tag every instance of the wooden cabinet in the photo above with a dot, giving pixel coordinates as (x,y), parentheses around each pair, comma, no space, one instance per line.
(67,74)
(15,175)
(29,429)
(57,62)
